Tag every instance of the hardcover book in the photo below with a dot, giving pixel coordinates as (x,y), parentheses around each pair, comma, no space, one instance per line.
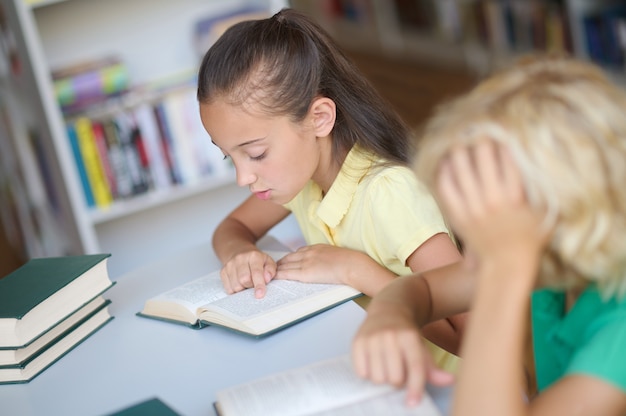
(329,387)
(46,357)
(150,407)
(43,292)
(19,357)
(203,301)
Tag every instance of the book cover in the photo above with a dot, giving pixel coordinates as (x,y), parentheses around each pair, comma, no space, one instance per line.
(50,355)
(19,357)
(44,291)
(150,407)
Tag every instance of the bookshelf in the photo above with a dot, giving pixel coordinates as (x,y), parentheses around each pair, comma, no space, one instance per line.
(43,207)
(478,35)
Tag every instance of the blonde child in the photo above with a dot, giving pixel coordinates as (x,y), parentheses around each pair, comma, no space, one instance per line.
(530,169)
(310,136)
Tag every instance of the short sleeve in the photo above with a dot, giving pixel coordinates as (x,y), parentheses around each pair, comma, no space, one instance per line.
(602,355)
(403,213)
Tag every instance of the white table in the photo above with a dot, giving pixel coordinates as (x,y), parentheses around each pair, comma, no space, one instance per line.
(132,359)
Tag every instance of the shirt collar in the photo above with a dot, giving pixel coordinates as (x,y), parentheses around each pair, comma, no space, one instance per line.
(568,327)
(336,203)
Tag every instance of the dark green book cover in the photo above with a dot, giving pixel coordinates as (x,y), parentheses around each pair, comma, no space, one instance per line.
(151,407)
(25,375)
(40,278)
(22,364)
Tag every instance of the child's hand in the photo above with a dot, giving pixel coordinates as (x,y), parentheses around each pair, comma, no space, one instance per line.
(388,349)
(323,263)
(483,195)
(248,269)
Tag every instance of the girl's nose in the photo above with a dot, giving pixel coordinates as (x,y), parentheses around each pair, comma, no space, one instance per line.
(245,177)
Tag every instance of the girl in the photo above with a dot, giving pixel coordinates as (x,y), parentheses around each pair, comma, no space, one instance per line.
(529,167)
(310,136)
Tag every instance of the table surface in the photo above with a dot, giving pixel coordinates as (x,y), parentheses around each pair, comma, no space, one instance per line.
(132,359)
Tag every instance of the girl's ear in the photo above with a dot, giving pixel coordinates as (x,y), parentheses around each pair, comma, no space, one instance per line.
(323,112)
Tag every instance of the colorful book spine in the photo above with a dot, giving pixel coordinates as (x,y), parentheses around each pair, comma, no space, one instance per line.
(80,166)
(93,164)
(103,152)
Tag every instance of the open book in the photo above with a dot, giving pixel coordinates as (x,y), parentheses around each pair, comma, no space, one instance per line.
(329,387)
(203,302)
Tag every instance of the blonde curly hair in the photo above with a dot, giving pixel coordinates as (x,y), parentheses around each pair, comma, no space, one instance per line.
(564,123)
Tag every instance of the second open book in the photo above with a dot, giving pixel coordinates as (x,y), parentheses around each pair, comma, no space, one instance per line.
(203,302)
(328,387)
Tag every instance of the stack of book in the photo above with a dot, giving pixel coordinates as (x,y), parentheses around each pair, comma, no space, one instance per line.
(47,307)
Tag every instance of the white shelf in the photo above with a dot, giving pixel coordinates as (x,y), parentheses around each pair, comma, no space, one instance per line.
(155,40)
(156,198)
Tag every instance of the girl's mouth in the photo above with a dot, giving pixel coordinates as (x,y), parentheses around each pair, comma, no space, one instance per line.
(264,195)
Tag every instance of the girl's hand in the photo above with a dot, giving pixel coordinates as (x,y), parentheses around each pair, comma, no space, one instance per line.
(388,349)
(248,269)
(323,263)
(483,195)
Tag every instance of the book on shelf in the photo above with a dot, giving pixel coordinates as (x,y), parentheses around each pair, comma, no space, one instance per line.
(118,160)
(100,139)
(326,387)
(149,129)
(131,145)
(167,143)
(81,85)
(150,407)
(186,155)
(39,295)
(92,160)
(59,347)
(202,302)
(604,32)
(80,165)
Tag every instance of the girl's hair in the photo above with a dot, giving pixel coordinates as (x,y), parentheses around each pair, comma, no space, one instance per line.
(281,64)
(564,123)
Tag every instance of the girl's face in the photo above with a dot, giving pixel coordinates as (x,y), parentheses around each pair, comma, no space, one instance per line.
(273,156)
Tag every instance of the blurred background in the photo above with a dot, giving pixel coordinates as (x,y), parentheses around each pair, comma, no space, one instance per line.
(101,149)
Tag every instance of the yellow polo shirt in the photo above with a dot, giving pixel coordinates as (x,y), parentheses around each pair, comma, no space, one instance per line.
(381,210)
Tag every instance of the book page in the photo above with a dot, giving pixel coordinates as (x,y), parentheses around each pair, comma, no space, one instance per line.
(325,388)
(183,302)
(196,293)
(243,305)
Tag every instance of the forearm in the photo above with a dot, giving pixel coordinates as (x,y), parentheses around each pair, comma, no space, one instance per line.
(447,333)
(491,380)
(232,237)
(368,277)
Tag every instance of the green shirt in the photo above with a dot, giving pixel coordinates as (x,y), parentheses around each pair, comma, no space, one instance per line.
(590,339)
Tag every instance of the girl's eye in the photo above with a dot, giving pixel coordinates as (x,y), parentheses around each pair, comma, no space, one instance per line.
(259,157)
